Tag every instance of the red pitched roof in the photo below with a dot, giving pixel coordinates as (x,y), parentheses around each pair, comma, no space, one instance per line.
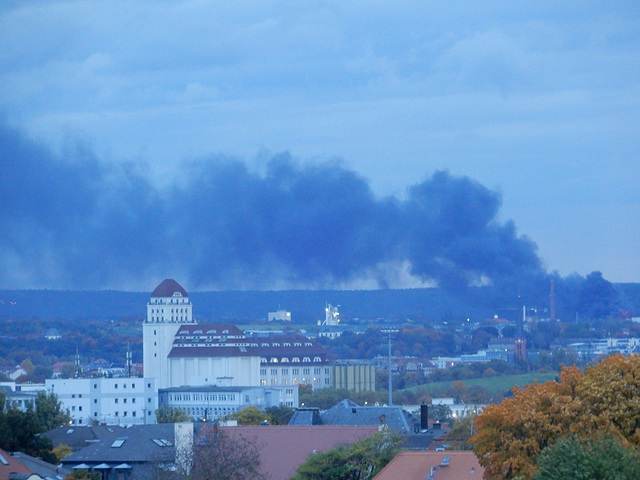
(284,448)
(417,465)
(9,465)
(167,288)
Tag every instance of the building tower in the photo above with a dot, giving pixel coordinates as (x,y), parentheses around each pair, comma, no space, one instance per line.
(168,309)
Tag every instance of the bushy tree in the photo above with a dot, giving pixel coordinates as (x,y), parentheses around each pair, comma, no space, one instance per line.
(362,460)
(603,400)
(588,459)
(279,415)
(82,474)
(172,415)
(49,411)
(250,415)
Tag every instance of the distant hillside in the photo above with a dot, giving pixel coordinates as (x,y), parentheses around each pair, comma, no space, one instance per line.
(307,306)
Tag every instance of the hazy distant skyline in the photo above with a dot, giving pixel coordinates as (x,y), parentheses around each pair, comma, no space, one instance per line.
(532,108)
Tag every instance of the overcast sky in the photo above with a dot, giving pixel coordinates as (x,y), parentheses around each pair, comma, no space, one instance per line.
(538,102)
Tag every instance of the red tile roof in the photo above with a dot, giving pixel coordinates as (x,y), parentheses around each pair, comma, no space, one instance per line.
(10,465)
(167,288)
(284,448)
(417,465)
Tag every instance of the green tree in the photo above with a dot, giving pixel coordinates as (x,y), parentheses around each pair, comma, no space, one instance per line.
(83,474)
(61,451)
(20,431)
(49,411)
(588,459)
(462,430)
(250,415)
(361,460)
(172,415)
(279,415)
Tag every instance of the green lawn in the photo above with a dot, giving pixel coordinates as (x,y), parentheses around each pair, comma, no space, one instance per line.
(494,385)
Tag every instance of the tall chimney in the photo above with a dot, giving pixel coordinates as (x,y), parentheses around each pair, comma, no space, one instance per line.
(553,300)
(424,417)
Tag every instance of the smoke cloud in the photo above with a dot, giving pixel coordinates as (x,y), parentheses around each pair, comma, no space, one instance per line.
(79,223)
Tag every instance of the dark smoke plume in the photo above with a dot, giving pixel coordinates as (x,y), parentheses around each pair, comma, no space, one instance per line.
(82,224)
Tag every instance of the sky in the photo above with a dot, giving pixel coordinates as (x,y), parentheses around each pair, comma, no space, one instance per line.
(286,144)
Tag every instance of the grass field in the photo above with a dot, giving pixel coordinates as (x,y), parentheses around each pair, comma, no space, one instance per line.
(494,385)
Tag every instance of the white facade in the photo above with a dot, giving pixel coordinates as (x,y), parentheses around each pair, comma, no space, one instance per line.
(180,352)
(210,403)
(168,309)
(114,401)
(280,315)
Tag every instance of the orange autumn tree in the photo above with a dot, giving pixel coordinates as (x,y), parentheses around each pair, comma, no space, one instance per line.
(601,401)
(610,392)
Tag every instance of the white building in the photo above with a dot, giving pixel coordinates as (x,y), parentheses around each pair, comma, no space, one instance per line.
(279,316)
(178,351)
(209,403)
(114,401)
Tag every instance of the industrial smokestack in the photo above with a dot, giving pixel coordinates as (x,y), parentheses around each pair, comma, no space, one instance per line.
(424,417)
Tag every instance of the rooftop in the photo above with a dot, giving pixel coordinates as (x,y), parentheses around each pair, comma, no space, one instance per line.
(429,465)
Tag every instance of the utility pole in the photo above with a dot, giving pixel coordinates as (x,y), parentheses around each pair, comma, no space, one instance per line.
(389,370)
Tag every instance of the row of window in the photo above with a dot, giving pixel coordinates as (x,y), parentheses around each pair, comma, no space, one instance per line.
(160,301)
(294,371)
(117,414)
(294,381)
(115,385)
(203,397)
(293,360)
(173,319)
(161,310)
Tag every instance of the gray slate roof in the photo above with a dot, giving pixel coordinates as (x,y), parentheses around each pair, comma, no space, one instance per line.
(348,412)
(136,446)
(78,437)
(42,468)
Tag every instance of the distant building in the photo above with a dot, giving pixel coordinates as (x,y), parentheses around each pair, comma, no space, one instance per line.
(210,402)
(113,401)
(16,397)
(52,334)
(178,351)
(279,316)
(353,375)
(331,316)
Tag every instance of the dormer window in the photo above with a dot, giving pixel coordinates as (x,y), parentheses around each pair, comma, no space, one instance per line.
(306,359)
(317,359)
